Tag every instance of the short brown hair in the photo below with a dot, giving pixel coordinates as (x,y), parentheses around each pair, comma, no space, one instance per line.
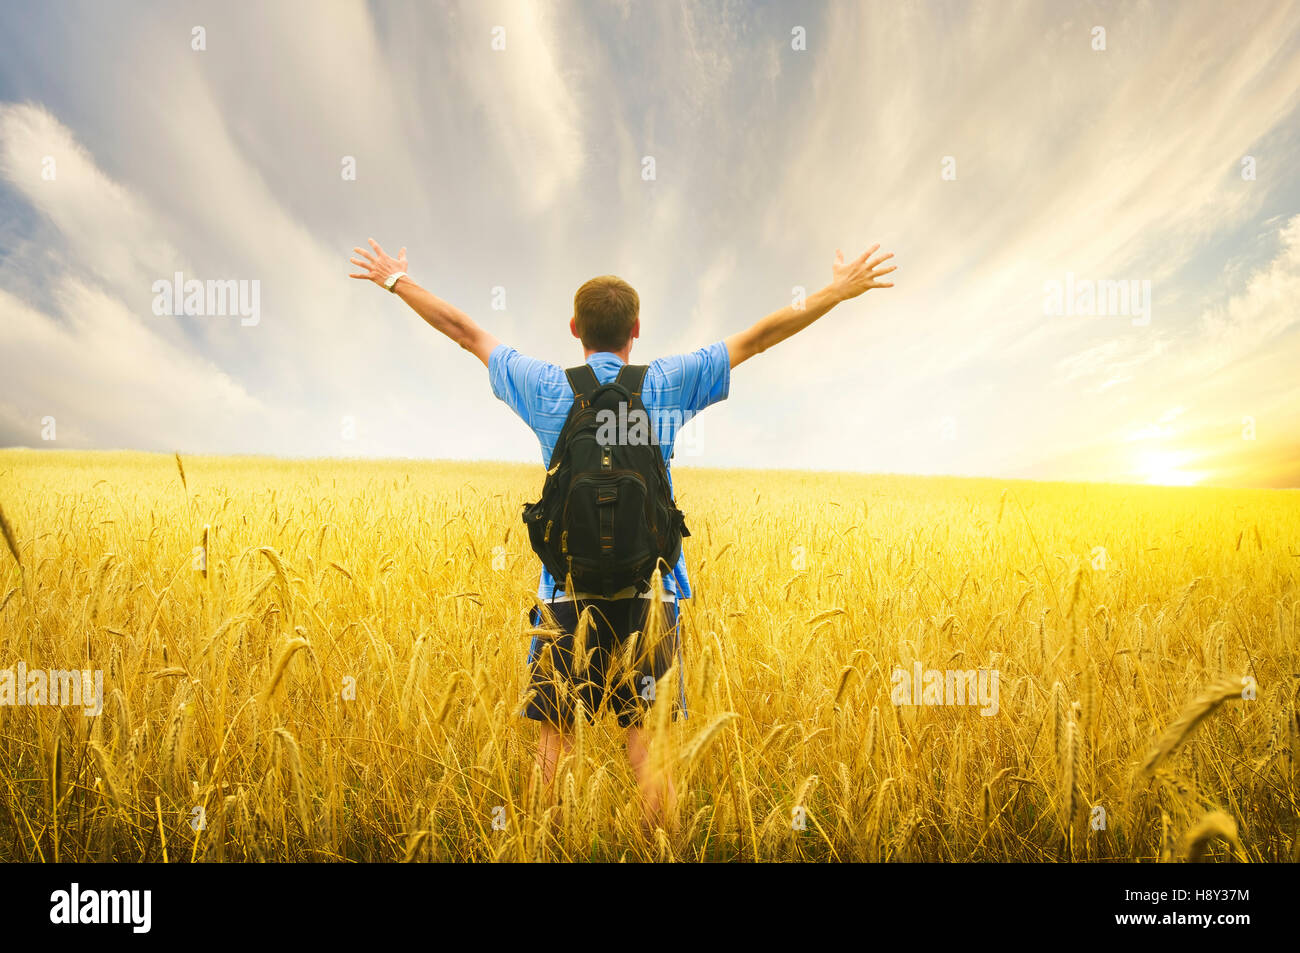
(605,309)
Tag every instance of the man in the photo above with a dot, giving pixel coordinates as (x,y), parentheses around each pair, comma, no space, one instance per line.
(606,319)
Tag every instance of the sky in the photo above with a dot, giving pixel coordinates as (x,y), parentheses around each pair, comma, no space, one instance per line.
(1013,156)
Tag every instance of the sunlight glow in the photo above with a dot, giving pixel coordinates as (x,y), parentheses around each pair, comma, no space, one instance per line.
(1165,468)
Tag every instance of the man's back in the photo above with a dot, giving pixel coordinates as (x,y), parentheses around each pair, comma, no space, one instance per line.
(675,389)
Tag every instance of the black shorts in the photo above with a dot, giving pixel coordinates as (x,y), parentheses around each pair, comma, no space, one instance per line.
(625,681)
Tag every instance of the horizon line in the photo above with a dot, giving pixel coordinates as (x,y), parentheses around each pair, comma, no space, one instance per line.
(689,466)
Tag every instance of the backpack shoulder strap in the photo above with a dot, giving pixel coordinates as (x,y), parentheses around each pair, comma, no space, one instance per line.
(583,381)
(632,376)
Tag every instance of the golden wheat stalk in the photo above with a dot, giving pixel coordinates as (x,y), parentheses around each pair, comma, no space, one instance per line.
(56,774)
(107,775)
(277,564)
(121,719)
(1199,709)
(846,677)
(1187,596)
(873,733)
(1213,826)
(173,757)
(1074,585)
(704,738)
(291,761)
(1060,715)
(414,673)
(8,533)
(441,709)
(876,818)
(1070,776)
(282,661)
(414,846)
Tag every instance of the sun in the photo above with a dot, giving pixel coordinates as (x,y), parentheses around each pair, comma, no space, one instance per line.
(1166,468)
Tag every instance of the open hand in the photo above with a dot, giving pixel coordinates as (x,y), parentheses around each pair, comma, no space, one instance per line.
(378,266)
(861,274)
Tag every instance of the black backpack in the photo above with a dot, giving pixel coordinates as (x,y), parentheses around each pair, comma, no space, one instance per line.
(606,517)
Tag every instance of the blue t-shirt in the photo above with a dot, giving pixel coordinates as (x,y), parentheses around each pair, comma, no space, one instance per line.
(675,390)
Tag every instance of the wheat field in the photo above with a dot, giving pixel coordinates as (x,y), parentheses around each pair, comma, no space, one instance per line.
(323,660)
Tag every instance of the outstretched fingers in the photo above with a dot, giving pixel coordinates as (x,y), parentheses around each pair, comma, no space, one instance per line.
(363,261)
(867,254)
(875,276)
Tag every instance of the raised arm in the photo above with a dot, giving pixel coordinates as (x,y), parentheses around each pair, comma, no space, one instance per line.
(847,281)
(441,315)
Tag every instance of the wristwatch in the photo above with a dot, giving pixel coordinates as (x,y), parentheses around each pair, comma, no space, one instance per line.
(391,280)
